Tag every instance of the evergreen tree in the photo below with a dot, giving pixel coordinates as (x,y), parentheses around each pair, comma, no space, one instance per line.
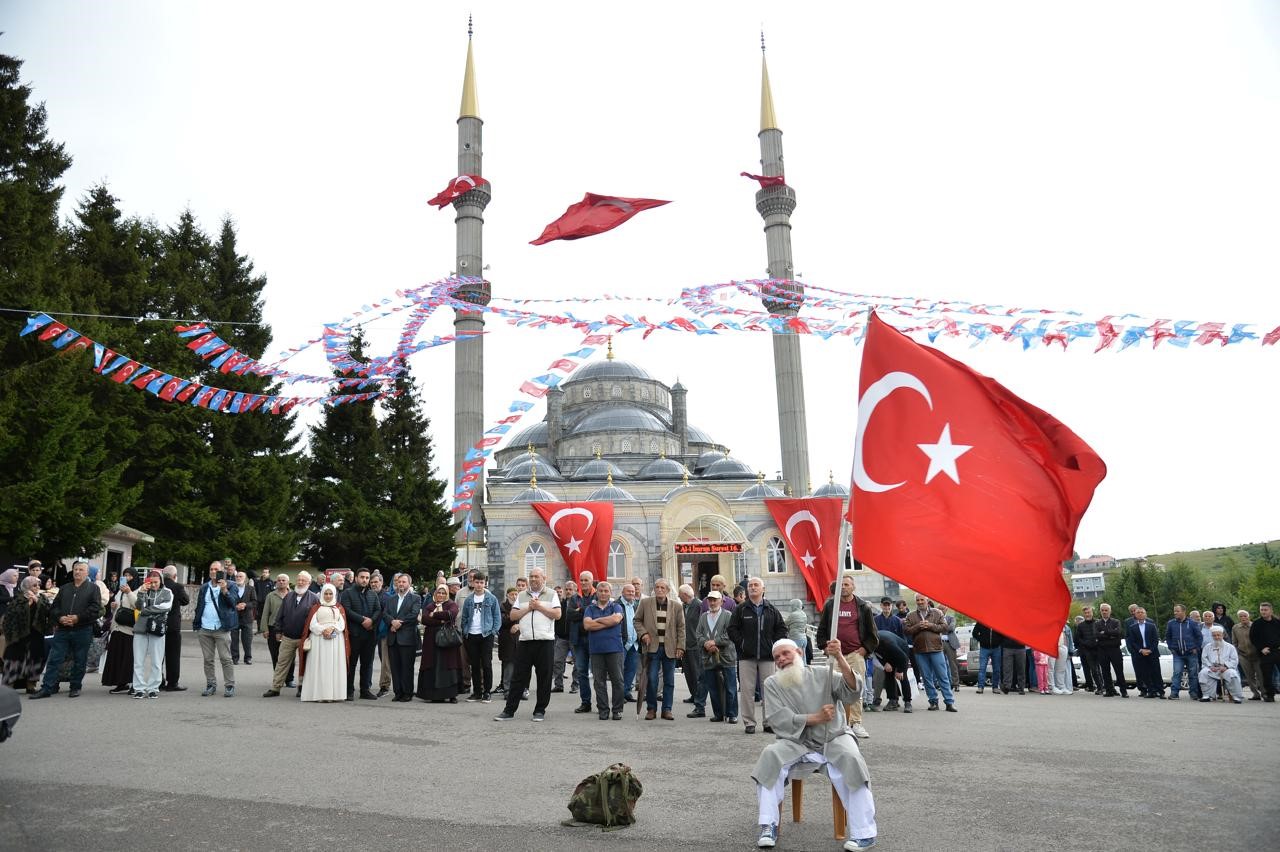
(417,531)
(61,487)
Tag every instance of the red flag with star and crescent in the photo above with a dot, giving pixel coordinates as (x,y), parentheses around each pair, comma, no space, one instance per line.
(582,532)
(594,214)
(963,491)
(811,529)
(457,188)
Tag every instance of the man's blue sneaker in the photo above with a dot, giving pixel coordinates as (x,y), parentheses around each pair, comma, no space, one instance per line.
(768,836)
(864,843)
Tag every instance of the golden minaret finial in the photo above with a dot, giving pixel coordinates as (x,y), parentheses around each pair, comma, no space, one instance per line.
(831,477)
(530,448)
(533,476)
(768,120)
(470,101)
(684,478)
(598,453)
(609,351)
(789,491)
(662,454)
(609,478)
(759,477)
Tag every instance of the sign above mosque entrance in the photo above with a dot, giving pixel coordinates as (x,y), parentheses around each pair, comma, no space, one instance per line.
(708,547)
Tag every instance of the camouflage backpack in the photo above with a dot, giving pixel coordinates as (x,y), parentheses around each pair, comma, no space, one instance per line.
(607,799)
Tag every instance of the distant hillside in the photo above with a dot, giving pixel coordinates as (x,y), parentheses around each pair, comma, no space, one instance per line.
(1215,560)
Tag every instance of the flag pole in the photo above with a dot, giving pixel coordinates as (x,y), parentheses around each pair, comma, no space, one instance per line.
(835,614)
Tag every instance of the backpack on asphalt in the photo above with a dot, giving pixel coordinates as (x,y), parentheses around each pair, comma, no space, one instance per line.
(607,799)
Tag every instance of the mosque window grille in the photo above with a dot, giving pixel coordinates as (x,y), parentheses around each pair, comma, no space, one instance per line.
(653,445)
(596,449)
(775,557)
(740,565)
(586,393)
(626,445)
(616,392)
(617,559)
(535,556)
(644,394)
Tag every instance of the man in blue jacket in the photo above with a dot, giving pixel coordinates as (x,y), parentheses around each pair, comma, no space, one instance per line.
(481,619)
(1183,637)
(215,618)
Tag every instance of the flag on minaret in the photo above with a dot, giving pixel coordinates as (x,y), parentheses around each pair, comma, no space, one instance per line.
(457,187)
(766,180)
(594,214)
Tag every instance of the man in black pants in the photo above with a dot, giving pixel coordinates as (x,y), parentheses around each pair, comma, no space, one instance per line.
(173,633)
(481,618)
(401,615)
(1264,633)
(1013,665)
(1087,643)
(535,612)
(364,611)
(1109,632)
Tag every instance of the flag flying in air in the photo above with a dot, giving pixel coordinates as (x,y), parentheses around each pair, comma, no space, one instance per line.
(594,214)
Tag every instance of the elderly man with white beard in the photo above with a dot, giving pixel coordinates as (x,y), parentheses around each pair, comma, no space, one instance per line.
(801,702)
(1219,662)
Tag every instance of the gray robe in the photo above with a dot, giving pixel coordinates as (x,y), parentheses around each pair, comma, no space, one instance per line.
(785,712)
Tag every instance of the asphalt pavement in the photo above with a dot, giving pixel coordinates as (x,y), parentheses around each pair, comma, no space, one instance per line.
(1073,772)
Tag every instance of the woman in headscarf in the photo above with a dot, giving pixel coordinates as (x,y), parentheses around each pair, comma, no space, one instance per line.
(439,675)
(322,659)
(8,588)
(117,672)
(153,604)
(25,624)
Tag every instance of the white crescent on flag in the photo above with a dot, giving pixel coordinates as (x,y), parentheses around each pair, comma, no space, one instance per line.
(876,394)
(564,513)
(799,518)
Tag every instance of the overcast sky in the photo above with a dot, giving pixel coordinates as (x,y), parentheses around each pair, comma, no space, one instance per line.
(1094,156)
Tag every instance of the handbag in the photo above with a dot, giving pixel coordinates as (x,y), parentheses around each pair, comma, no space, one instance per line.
(447,636)
(155,626)
(306,644)
(124,616)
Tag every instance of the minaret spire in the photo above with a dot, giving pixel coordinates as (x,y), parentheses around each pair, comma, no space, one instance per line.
(468,353)
(775,205)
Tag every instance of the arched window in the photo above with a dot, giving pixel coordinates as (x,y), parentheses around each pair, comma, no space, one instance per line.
(586,393)
(616,393)
(626,445)
(535,556)
(644,393)
(776,557)
(617,559)
(653,445)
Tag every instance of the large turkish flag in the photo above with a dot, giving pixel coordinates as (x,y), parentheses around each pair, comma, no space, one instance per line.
(965,492)
(594,214)
(582,532)
(811,528)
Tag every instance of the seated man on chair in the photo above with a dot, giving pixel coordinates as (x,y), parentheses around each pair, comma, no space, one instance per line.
(1219,662)
(800,705)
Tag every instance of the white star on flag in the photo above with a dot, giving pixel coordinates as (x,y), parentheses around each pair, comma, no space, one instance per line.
(573,545)
(808,559)
(943,455)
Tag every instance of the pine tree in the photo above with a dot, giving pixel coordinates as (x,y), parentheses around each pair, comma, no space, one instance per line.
(418,529)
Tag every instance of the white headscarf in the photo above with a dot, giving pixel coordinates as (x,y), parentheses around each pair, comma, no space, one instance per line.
(329,587)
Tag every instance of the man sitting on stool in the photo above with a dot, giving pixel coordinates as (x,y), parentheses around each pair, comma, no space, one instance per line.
(800,703)
(1219,663)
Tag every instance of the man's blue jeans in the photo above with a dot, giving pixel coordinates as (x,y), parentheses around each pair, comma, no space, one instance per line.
(933,667)
(1190,662)
(659,660)
(723,705)
(74,641)
(582,671)
(630,662)
(995,655)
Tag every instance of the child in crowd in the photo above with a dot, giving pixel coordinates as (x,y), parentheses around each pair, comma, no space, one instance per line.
(1042,671)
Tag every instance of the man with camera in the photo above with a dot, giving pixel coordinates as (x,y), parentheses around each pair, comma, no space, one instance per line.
(215,618)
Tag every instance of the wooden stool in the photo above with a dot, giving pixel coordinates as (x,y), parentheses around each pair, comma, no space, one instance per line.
(839,820)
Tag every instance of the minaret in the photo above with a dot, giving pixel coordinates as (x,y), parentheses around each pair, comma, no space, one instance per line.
(468,370)
(775,205)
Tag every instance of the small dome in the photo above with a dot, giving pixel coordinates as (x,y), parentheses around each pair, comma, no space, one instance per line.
(678,387)
(707,459)
(534,495)
(610,369)
(684,486)
(612,493)
(832,489)
(662,468)
(696,435)
(522,467)
(619,417)
(727,468)
(598,470)
(759,491)
(535,434)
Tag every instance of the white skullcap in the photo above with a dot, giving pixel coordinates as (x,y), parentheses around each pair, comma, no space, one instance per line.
(1217,628)
(784,643)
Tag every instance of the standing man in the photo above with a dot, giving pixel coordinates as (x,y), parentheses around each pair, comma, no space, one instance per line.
(950,644)
(566,631)
(925,625)
(1109,633)
(602,624)
(75,609)
(263,585)
(630,644)
(856,630)
(718,584)
(1144,650)
(384,649)
(173,631)
(692,653)
(659,621)
(888,621)
(1086,631)
(214,620)
(1265,636)
(289,624)
(1250,662)
(753,628)
(535,612)
(481,619)
(266,621)
(1182,635)
(578,639)
(802,702)
(988,650)
(246,616)
(364,611)
(1013,665)
(401,616)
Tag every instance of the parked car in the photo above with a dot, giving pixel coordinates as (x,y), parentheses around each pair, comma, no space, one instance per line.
(969,666)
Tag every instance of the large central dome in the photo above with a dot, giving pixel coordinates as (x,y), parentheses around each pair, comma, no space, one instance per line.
(609,369)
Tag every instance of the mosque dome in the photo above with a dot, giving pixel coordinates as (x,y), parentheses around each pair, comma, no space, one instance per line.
(612,493)
(534,494)
(523,466)
(663,468)
(598,470)
(727,468)
(609,369)
(619,417)
(697,436)
(535,434)
(832,489)
(707,459)
(760,491)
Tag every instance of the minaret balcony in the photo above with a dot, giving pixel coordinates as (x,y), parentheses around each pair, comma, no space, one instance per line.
(774,201)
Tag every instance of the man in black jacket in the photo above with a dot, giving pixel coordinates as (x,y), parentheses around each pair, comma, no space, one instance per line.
(289,625)
(1087,643)
(1264,633)
(756,624)
(364,611)
(75,609)
(1109,632)
(173,633)
(401,613)
(989,648)
(246,619)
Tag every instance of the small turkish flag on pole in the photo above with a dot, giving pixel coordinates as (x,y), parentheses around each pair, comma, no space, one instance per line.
(811,529)
(965,492)
(457,187)
(766,180)
(594,214)
(582,532)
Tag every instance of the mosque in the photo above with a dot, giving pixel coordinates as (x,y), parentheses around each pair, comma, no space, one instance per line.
(684,507)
